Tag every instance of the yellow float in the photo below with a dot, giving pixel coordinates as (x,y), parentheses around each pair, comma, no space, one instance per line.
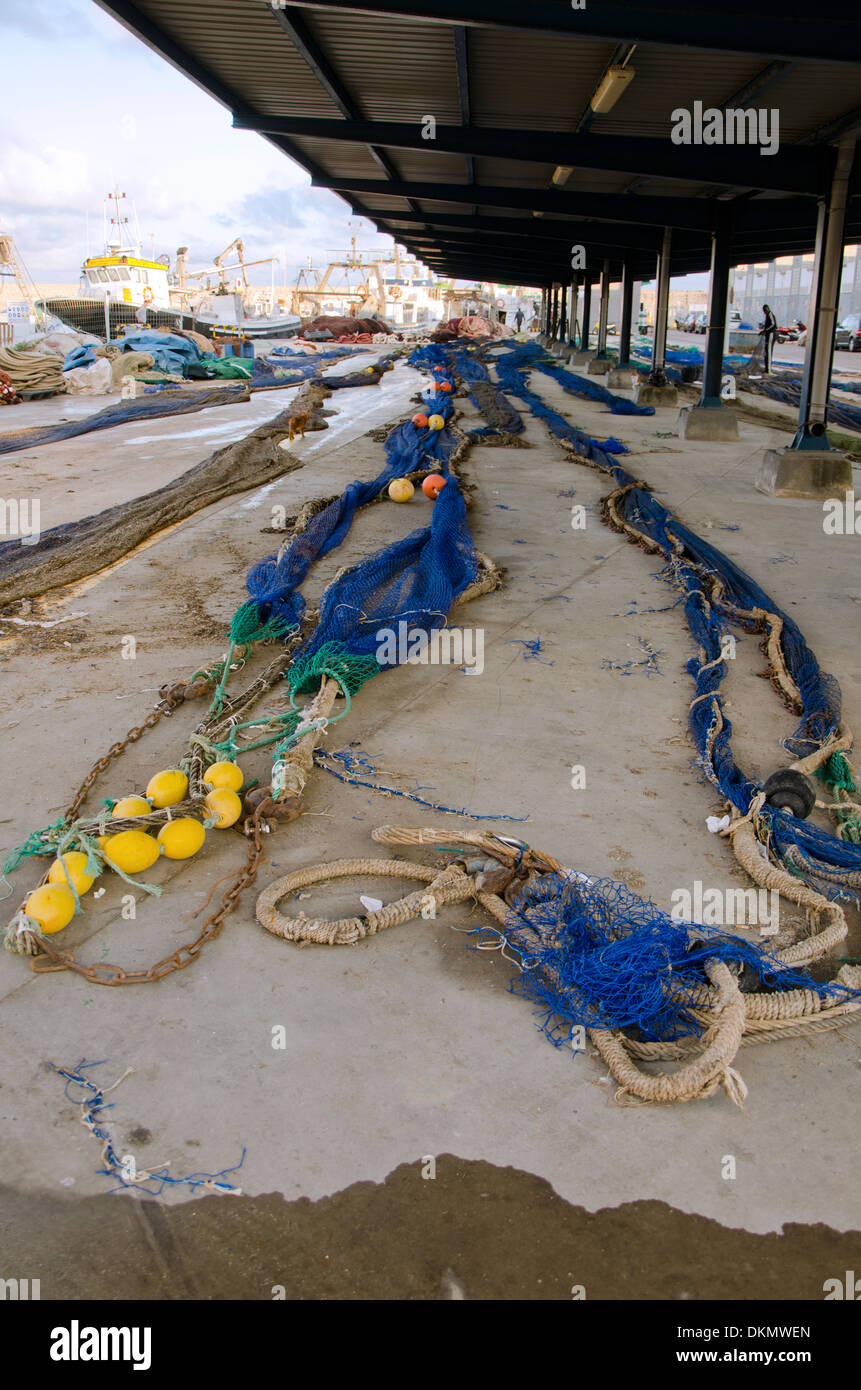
(181,838)
(52,905)
(224,774)
(167,788)
(225,806)
(401,489)
(133,851)
(76,864)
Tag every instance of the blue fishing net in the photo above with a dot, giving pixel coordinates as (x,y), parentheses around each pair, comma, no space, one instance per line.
(122,412)
(274,583)
(416,580)
(832,866)
(595,954)
(532,355)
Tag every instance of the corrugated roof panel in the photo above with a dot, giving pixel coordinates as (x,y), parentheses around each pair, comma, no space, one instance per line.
(243,45)
(533,81)
(400,69)
(340,161)
(429,165)
(512,173)
(403,69)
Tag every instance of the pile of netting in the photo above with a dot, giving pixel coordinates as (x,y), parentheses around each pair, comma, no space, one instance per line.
(259,375)
(511,371)
(529,355)
(329,653)
(788,391)
(784,386)
(411,578)
(598,956)
(122,412)
(719,594)
(504,422)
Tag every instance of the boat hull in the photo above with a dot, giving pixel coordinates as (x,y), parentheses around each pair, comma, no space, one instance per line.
(88,316)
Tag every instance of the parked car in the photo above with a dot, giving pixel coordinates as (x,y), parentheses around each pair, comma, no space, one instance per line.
(680,320)
(848,334)
(700,323)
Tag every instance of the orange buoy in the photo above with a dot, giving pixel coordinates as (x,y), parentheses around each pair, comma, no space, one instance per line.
(420,420)
(433,485)
(444,385)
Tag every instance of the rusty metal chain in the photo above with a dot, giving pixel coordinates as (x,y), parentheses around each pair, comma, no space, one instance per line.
(103,973)
(173,696)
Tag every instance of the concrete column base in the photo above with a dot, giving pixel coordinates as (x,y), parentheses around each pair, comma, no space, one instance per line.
(580,356)
(715,423)
(599,366)
(808,473)
(647,394)
(624,378)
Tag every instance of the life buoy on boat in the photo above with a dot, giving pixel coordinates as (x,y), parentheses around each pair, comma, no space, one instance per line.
(395,292)
(147,294)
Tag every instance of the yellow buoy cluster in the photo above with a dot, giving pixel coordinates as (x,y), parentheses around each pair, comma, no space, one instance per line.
(52,904)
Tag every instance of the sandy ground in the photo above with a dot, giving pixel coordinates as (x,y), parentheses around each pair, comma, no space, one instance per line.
(410,1045)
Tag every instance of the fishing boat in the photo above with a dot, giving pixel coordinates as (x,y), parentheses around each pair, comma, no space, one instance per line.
(122,286)
(361,284)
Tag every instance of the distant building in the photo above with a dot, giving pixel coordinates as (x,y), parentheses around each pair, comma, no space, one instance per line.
(786,285)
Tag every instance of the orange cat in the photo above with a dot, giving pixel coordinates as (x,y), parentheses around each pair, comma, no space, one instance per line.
(298,425)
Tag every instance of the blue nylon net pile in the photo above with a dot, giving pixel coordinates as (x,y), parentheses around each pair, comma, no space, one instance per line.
(122,412)
(415,579)
(596,955)
(830,865)
(474,374)
(532,355)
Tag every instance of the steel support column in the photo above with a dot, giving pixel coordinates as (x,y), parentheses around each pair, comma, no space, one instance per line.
(604,309)
(563,314)
(587,311)
(572,313)
(627,306)
(828,266)
(718,296)
(658,376)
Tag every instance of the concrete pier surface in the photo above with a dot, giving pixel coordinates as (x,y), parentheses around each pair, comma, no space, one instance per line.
(407,1055)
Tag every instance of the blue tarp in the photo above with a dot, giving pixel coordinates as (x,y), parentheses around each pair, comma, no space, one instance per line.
(170,352)
(79,357)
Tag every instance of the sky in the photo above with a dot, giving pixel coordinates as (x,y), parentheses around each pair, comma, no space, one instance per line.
(87,107)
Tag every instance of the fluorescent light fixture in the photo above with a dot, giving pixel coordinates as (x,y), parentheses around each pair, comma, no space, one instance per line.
(537,214)
(561,174)
(610,88)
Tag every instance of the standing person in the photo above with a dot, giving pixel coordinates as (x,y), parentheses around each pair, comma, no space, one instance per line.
(518,319)
(769,336)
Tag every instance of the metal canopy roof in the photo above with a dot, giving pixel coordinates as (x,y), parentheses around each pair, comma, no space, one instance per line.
(346,89)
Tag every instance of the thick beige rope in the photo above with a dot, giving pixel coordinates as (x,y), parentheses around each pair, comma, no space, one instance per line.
(451,885)
(730,1018)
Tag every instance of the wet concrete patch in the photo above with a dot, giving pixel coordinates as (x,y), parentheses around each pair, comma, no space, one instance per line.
(473,1231)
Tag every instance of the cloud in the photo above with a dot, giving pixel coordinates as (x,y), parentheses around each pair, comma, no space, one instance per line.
(43,18)
(82,115)
(52,177)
